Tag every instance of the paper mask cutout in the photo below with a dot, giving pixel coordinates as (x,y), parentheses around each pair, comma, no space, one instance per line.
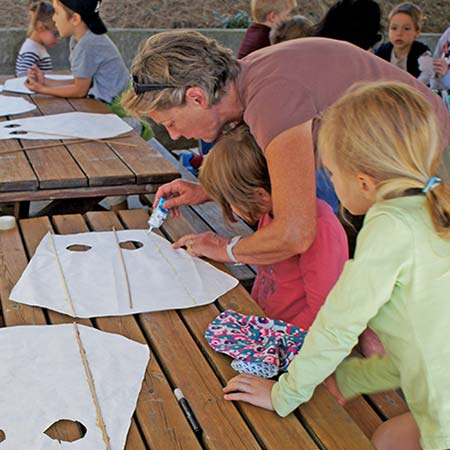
(65,126)
(14,105)
(18,84)
(93,283)
(43,380)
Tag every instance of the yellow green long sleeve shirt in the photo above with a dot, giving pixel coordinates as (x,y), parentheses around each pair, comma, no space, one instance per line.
(399,284)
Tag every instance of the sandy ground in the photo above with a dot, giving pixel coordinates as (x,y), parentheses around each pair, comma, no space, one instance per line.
(206,13)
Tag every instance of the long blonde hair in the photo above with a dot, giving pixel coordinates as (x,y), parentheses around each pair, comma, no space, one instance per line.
(232,172)
(389,131)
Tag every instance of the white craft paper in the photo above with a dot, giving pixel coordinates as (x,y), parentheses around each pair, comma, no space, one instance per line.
(14,105)
(17,85)
(43,380)
(59,126)
(160,277)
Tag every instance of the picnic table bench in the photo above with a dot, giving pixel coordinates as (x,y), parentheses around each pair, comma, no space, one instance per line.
(181,357)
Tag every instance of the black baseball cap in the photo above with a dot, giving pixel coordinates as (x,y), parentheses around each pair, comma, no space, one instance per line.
(89,13)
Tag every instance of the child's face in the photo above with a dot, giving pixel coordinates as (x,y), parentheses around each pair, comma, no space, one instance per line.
(349,188)
(402,31)
(61,19)
(49,38)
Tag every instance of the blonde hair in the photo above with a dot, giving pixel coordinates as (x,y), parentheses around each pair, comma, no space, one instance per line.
(262,8)
(182,59)
(232,171)
(293,28)
(411,10)
(41,12)
(389,131)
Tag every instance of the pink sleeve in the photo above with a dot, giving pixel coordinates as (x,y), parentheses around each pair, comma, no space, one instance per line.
(323,263)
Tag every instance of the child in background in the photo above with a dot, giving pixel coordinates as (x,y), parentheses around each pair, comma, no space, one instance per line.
(266,14)
(41,34)
(235,175)
(95,62)
(441,63)
(405,24)
(292,28)
(381,144)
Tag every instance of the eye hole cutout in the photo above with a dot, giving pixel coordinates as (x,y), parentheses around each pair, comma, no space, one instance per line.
(12,125)
(65,430)
(78,248)
(131,245)
(17,132)
(2,436)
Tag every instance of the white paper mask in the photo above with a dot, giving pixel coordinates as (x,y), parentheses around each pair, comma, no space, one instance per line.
(14,105)
(65,126)
(159,277)
(43,380)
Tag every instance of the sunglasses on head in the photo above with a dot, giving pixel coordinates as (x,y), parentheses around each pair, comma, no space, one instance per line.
(140,88)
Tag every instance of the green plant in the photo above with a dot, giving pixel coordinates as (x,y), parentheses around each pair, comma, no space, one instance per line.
(239,20)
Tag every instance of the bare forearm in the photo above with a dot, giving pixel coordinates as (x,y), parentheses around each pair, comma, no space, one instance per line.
(67,90)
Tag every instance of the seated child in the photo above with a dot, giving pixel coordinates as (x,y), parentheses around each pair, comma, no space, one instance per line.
(402,50)
(380,143)
(291,28)
(235,175)
(266,14)
(95,62)
(41,34)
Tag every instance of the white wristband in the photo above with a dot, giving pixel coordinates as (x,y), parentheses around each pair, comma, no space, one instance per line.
(230,247)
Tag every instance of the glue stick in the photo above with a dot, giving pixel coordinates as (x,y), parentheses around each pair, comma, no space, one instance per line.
(158,216)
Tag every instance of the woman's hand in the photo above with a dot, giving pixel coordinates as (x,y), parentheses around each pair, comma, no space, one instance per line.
(178,193)
(440,66)
(208,244)
(250,389)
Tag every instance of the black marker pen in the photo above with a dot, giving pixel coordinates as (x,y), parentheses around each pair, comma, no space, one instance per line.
(188,411)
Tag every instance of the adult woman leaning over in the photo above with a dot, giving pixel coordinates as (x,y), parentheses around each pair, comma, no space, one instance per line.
(196,89)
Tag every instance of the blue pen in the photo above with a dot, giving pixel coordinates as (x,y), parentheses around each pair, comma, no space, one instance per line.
(188,411)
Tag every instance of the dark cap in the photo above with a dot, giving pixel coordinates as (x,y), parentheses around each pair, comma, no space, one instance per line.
(89,13)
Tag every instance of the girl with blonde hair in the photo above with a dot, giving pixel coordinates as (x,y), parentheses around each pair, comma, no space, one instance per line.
(380,144)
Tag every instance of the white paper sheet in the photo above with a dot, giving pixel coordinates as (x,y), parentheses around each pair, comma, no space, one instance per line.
(43,380)
(17,85)
(14,105)
(160,277)
(60,126)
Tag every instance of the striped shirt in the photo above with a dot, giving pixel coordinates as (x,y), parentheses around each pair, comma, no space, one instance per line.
(32,54)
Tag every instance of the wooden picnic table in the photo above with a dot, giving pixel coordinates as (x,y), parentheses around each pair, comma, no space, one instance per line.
(77,170)
(181,357)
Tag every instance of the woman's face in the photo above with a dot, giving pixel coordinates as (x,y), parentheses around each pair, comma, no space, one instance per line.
(402,31)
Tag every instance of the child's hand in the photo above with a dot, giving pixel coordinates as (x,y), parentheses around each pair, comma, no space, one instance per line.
(331,384)
(33,85)
(250,389)
(36,74)
(440,66)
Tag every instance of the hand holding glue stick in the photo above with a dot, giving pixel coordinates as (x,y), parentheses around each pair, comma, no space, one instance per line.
(158,215)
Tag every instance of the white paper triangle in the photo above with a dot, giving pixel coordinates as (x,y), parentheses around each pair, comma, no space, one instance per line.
(14,105)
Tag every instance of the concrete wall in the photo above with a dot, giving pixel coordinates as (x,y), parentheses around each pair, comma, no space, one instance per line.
(127,40)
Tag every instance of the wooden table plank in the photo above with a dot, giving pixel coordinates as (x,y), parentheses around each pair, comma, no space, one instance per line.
(34,230)
(147,163)
(188,370)
(158,413)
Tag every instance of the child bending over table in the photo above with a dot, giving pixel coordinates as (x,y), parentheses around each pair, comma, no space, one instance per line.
(380,143)
(235,175)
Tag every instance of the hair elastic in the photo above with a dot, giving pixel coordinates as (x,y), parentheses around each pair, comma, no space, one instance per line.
(431,184)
